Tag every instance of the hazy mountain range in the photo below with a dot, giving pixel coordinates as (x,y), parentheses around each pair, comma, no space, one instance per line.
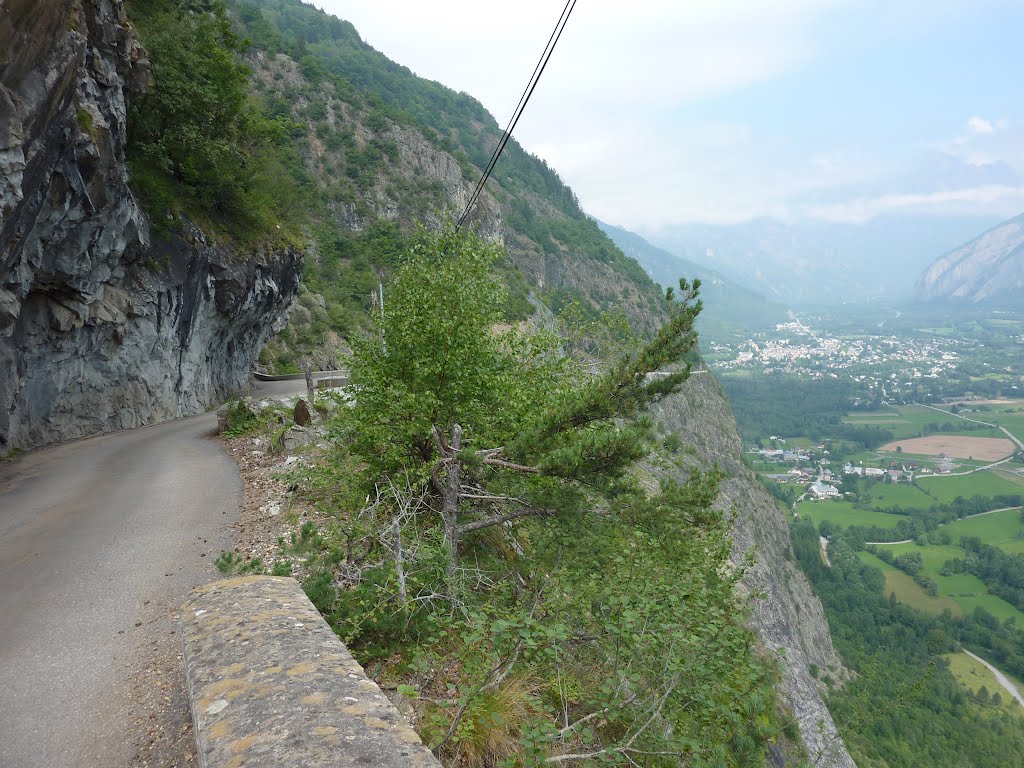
(989,268)
(809,262)
(729,308)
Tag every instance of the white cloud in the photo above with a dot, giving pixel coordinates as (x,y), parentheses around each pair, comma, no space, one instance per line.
(994,199)
(652,53)
(980,125)
(609,112)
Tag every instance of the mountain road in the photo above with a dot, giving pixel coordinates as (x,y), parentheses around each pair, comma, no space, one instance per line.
(101,539)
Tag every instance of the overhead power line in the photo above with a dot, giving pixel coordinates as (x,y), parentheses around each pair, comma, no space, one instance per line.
(538,70)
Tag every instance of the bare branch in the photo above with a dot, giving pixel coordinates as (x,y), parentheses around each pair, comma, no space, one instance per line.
(490,497)
(511,465)
(490,452)
(487,522)
(578,756)
(598,713)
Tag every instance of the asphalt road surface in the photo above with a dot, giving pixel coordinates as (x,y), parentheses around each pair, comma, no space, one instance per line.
(100,541)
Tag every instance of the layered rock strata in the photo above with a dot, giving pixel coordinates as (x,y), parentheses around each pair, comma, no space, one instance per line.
(100,327)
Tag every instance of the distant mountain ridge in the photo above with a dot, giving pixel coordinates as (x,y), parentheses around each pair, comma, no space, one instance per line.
(729,308)
(989,268)
(809,263)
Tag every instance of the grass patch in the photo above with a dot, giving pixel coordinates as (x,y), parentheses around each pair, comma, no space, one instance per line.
(998,607)
(901,495)
(876,421)
(969,592)
(972,675)
(933,555)
(978,483)
(915,418)
(909,592)
(844,513)
(1002,529)
(1011,477)
(800,442)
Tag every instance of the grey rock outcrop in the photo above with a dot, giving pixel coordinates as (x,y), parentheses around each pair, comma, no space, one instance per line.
(989,268)
(788,615)
(102,327)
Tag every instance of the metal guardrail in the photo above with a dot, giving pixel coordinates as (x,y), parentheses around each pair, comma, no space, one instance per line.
(342,374)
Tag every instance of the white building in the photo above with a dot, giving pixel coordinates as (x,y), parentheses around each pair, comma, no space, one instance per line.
(822,490)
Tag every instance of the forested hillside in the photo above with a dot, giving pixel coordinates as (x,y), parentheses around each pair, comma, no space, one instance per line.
(906,709)
(345,151)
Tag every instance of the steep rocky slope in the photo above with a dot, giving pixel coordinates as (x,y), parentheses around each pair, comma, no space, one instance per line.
(788,615)
(386,150)
(989,268)
(100,327)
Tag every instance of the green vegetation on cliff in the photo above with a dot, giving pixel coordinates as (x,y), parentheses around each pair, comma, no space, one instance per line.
(272,119)
(198,144)
(505,562)
(497,551)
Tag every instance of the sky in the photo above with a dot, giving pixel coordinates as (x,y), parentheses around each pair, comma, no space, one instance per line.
(663,112)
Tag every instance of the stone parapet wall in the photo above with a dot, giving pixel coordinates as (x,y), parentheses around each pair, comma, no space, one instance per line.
(271,685)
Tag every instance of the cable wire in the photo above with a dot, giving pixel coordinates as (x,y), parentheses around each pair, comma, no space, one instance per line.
(538,70)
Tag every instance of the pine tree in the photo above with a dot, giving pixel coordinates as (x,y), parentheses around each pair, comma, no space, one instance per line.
(500,424)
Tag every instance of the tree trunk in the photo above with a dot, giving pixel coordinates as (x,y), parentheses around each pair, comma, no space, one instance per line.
(449,489)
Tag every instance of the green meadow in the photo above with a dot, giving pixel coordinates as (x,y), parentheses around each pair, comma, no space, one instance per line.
(969,592)
(901,495)
(843,513)
(907,591)
(972,675)
(1002,529)
(948,487)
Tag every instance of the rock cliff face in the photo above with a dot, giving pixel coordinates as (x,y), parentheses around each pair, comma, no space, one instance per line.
(788,616)
(989,268)
(100,328)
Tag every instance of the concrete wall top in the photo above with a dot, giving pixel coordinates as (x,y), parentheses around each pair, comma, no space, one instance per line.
(271,685)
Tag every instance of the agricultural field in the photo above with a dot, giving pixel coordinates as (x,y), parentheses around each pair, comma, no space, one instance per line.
(978,483)
(972,675)
(843,513)
(920,416)
(967,591)
(900,495)
(1005,413)
(875,418)
(961,446)
(1002,529)
(1011,475)
(905,421)
(908,591)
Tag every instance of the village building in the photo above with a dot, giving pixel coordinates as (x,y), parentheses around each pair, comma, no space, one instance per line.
(822,490)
